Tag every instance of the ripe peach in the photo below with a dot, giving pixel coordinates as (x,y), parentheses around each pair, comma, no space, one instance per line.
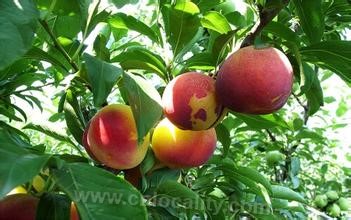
(189,101)
(24,207)
(74,212)
(113,138)
(255,81)
(179,148)
(19,207)
(17,190)
(85,143)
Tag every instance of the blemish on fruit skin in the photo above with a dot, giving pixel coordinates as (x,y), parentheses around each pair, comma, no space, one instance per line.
(201,114)
(277,98)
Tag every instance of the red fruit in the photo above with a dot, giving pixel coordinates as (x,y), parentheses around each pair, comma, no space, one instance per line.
(24,207)
(255,81)
(86,144)
(189,101)
(182,148)
(18,207)
(113,138)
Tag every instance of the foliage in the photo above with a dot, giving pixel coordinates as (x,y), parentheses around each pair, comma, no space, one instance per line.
(95,52)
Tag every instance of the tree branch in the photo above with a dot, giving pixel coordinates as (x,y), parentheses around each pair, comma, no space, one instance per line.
(58,45)
(265,16)
(305,108)
(271,136)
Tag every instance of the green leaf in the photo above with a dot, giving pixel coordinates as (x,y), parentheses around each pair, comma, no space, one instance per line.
(141,58)
(309,77)
(39,54)
(180,196)
(181,24)
(61,7)
(53,206)
(106,197)
(295,168)
(49,132)
(144,101)
(332,55)
(208,5)
(70,97)
(9,113)
(31,99)
(160,176)
(120,4)
(102,76)
(67,26)
(314,97)
(123,21)
(215,21)
(342,108)
(282,31)
(100,47)
(281,192)
(201,61)
(223,136)
(262,121)
(19,19)
(311,18)
(73,123)
(298,124)
(148,162)
(13,108)
(256,176)
(254,181)
(203,182)
(159,213)
(88,9)
(221,46)
(306,134)
(17,164)
(13,130)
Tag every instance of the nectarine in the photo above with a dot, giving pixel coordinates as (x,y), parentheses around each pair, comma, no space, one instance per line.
(24,207)
(113,138)
(255,81)
(17,190)
(189,101)
(19,207)
(179,148)
(85,142)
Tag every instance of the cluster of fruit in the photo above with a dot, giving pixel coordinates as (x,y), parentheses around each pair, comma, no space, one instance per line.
(251,81)
(331,203)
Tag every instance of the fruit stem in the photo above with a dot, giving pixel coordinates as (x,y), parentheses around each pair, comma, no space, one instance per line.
(265,16)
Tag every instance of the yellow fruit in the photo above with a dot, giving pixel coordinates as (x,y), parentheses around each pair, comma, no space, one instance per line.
(18,190)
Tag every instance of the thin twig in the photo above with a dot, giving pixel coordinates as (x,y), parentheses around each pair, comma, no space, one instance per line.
(265,16)
(58,45)
(270,134)
(28,89)
(305,108)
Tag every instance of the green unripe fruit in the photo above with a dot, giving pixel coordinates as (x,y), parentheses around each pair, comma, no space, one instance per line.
(344,204)
(274,157)
(321,201)
(332,195)
(334,210)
